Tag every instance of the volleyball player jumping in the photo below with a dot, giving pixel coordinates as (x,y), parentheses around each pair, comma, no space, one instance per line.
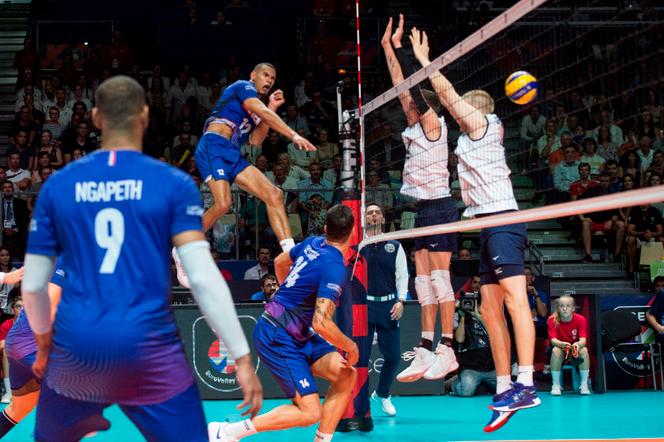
(487,190)
(426,178)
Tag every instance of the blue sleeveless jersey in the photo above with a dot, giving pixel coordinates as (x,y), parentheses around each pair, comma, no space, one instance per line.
(110,216)
(230,110)
(20,340)
(318,271)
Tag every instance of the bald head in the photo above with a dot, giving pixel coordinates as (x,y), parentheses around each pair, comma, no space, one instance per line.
(119,104)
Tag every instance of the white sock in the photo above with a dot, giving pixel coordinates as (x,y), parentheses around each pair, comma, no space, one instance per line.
(555,377)
(503,383)
(525,375)
(8,387)
(427,335)
(287,244)
(584,377)
(322,437)
(240,429)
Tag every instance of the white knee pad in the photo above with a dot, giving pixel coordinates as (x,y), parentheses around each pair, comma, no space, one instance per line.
(442,286)
(424,291)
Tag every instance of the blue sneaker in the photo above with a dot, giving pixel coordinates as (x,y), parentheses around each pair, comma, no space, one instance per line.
(498,419)
(516,398)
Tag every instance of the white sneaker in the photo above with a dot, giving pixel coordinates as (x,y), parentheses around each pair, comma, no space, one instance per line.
(584,390)
(6,398)
(183,279)
(444,362)
(216,432)
(556,390)
(423,359)
(385,404)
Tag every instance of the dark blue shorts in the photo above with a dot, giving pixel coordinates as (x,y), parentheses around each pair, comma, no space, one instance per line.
(289,361)
(501,246)
(20,371)
(431,213)
(62,419)
(217,158)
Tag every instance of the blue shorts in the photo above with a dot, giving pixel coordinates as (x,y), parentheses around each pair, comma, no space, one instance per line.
(20,371)
(62,419)
(289,361)
(431,213)
(217,158)
(502,246)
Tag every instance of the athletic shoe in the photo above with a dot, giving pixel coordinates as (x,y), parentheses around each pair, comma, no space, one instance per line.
(584,390)
(216,432)
(422,358)
(6,398)
(444,362)
(516,398)
(346,425)
(385,404)
(365,424)
(183,279)
(556,390)
(498,419)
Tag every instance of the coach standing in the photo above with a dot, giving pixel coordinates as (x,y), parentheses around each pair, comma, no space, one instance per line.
(387,271)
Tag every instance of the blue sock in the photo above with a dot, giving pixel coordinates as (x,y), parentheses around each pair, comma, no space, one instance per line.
(6,423)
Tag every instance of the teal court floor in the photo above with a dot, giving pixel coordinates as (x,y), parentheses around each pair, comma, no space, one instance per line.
(616,415)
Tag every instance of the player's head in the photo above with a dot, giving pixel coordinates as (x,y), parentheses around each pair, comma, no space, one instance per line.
(263,76)
(480,100)
(120,107)
(374,215)
(339,222)
(658,284)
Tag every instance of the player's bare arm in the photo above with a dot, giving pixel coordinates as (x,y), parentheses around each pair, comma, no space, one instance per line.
(396,74)
(470,119)
(273,120)
(323,323)
(282,265)
(258,135)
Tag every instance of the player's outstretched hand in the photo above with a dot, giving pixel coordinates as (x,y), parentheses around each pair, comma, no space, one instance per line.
(14,277)
(276,100)
(302,143)
(420,43)
(385,41)
(353,355)
(398,33)
(252,389)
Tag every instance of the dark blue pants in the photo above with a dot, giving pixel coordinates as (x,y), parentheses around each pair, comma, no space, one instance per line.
(388,342)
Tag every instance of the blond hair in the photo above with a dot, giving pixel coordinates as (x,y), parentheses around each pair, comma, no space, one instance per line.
(479,99)
(556,314)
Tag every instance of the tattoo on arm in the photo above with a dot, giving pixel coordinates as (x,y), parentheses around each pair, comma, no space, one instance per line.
(324,311)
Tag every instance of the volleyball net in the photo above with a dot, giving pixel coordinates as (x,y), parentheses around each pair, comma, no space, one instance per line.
(586,60)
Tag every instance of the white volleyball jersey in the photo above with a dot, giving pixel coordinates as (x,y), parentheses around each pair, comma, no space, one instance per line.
(483,173)
(425,175)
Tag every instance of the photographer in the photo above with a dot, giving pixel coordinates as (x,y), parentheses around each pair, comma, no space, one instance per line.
(474,352)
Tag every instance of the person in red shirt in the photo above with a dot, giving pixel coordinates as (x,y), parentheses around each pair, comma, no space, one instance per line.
(17,306)
(568,332)
(577,188)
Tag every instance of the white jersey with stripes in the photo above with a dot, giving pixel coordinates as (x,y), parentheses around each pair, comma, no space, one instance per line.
(425,175)
(483,173)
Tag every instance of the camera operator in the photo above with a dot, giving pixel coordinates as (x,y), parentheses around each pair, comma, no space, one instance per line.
(474,352)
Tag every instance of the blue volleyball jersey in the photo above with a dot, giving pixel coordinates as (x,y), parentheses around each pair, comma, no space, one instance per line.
(318,271)
(111,216)
(230,110)
(20,339)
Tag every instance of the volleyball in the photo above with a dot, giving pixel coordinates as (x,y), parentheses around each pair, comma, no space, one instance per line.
(521,87)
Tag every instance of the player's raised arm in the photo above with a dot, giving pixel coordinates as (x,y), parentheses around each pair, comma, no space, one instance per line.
(394,68)
(323,323)
(257,136)
(216,303)
(282,265)
(273,120)
(470,118)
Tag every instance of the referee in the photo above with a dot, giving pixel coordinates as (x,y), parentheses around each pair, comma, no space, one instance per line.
(387,286)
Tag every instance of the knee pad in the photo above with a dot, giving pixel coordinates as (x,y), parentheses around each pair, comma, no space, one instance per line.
(442,286)
(425,294)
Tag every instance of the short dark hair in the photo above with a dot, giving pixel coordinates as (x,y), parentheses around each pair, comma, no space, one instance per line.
(339,223)
(266,277)
(372,203)
(613,162)
(584,165)
(264,65)
(5,182)
(119,100)
(658,279)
